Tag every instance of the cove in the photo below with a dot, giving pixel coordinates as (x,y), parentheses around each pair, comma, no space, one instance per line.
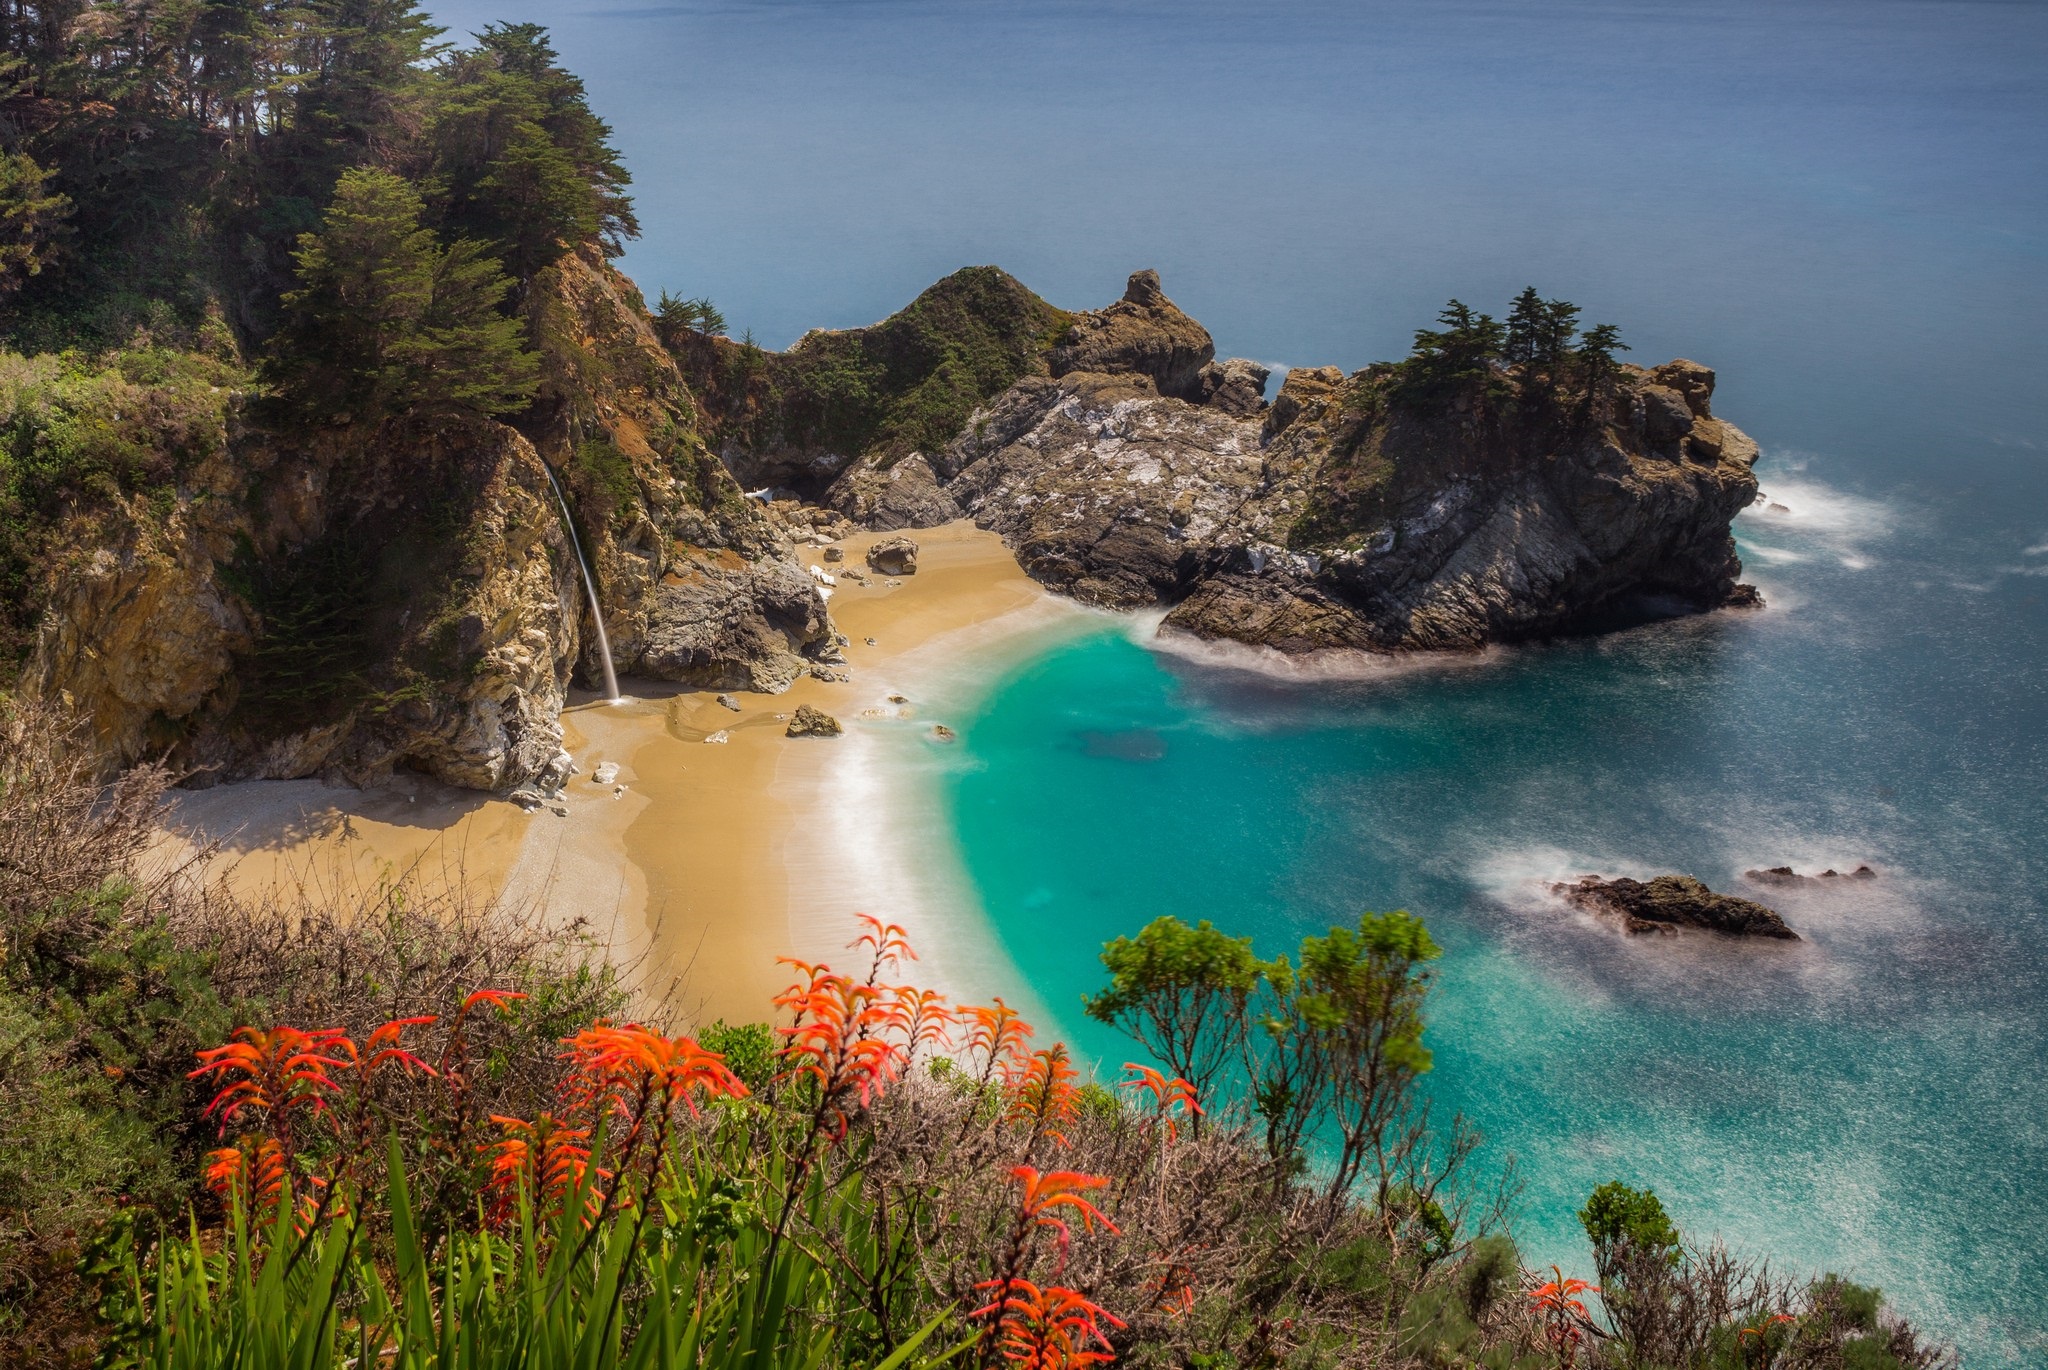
(1867,1100)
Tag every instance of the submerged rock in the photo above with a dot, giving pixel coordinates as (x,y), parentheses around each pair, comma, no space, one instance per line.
(1785,875)
(1670,902)
(810,721)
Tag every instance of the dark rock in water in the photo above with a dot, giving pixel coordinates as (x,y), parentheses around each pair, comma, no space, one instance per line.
(942,733)
(811,721)
(1785,875)
(1670,902)
(895,556)
(1744,596)
(728,702)
(835,554)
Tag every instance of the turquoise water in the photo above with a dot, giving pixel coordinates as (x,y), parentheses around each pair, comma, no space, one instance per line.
(1871,1100)
(1840,204)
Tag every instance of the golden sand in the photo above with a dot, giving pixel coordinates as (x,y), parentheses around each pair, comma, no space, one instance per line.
(687,865)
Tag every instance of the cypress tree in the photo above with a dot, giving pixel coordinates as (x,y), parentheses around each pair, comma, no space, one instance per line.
(385,321)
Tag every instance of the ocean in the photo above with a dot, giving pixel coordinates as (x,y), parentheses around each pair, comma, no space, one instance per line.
(1840,206)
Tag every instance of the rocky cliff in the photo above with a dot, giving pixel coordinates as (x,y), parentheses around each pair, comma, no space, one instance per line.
(1363,512)
(408,596)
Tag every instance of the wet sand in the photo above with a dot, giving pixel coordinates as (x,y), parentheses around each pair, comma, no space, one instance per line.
(702,862)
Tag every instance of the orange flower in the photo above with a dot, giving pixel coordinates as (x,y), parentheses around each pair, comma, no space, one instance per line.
(1168,1095)
(929,1022)
(545,1156)
(888,944)
(383,1048)
(1047,1329)
(253,1172)
(1042,1092)
(1564,1313)
(998,1036)
(1056,1189)
(278,1073)
(615,1064)
(840,1037)
(499,999)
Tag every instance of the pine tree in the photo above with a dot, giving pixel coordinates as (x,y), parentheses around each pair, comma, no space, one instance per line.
(1595,357)
(519,159)
(29,217)
(386,322)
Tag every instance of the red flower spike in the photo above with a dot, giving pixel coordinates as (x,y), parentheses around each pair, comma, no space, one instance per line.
(886,942)
(998,1036)
(1042,1091)
(382,1048)
(1558,1304)
(928,1021)
(499,999)
(844,1036)
(253,1172)
(276,1073)
(1169,1094)
(1056,1189)
(546,1155)
(1048,1329)
(615,1064)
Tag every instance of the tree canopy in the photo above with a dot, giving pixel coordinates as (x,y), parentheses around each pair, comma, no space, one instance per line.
(386,321)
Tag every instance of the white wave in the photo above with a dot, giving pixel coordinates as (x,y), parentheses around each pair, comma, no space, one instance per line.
(2039,549)
(1328,664)
(1817,519)
(879,838)
(1775,556)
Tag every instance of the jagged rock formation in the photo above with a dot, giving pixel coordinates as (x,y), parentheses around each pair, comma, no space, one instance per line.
(1670,902)
(359,601)
(796,420)
(1351,512)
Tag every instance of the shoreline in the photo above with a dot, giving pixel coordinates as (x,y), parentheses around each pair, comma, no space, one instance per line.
(701,863)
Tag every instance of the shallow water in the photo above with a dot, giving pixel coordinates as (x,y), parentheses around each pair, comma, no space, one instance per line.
(1840,205)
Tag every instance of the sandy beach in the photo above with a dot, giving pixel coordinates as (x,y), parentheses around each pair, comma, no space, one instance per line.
(703,861)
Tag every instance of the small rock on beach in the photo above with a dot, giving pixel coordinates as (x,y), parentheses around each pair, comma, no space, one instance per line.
(811,721)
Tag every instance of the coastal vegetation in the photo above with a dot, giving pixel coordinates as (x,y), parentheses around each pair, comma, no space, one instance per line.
(416,1132)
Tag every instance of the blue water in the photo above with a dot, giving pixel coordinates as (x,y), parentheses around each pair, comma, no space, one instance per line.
(1871,1100)
(1841,206)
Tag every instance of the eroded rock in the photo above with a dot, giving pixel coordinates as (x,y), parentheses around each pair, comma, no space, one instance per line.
(811,721)
(895,556)
(1670,902)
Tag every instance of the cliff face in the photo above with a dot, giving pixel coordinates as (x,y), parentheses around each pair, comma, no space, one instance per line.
(359,601)
(1348,513)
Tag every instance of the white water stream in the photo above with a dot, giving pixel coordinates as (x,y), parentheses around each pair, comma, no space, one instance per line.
(604,643)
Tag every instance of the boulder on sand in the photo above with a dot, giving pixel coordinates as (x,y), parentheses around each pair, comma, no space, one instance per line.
(895,556)
(1670,902)
(811,721)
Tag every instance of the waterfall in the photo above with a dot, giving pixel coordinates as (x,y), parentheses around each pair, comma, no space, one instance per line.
(604,643)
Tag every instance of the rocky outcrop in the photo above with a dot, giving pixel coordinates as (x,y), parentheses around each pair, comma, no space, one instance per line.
(1668,903)
(1142,334)
(895,556)
(905,494)
(365,599)
(1365,512)
(811,721)
(797,420)
(1785,876)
